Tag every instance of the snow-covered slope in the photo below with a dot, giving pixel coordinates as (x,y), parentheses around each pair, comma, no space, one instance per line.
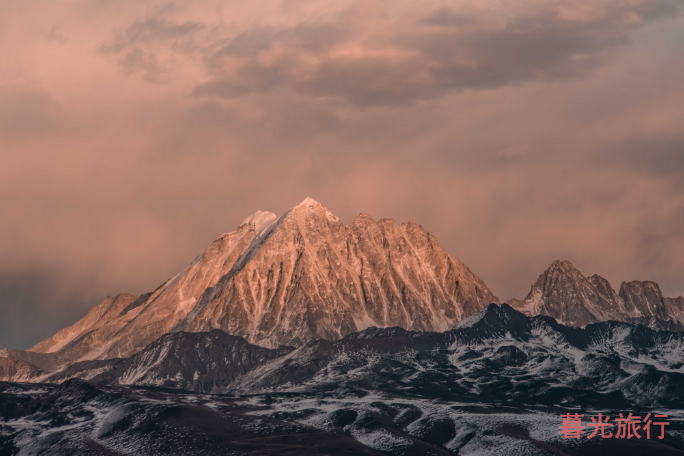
(497,356)
(285,281)
(496,384)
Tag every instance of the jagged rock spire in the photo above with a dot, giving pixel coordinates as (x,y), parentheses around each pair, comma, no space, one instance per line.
(565,294)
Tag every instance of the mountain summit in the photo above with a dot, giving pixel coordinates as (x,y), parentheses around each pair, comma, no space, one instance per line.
(285,281)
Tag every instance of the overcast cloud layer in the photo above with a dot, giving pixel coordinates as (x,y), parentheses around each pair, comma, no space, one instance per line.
(133,133)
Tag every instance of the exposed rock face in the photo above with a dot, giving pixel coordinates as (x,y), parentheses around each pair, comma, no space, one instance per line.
(563,293)
(315,278)
(286,281)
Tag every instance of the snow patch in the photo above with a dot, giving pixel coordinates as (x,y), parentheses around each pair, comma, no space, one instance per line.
(261,221)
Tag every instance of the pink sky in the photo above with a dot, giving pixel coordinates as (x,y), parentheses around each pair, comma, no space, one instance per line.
(518,132)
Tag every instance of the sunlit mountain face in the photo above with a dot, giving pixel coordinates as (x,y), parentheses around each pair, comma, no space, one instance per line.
(497,267)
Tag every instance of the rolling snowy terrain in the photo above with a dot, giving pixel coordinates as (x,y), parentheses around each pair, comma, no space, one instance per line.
(498,382)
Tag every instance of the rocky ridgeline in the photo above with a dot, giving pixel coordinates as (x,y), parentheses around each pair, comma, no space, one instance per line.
(304,276)
(564,293)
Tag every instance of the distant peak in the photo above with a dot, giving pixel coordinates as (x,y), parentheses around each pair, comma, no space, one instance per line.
(563,265)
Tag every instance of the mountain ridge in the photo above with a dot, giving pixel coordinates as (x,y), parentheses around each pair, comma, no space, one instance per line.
(607,362)
(284,281)
(564,293)
(303,276)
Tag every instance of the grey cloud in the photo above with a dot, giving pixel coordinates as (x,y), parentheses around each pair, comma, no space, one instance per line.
(152,31)
(660,155)
(453,52)
(137,60)
(246,80)
(248,44)
(654,10)
(447,17)
(304,38)
(368,82)
(301,37)
(56,35)
(138,46)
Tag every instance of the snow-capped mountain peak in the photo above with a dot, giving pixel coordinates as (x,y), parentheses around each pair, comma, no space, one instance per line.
(290,279)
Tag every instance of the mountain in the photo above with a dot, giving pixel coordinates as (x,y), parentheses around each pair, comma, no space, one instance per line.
(647,300)
(565,294)
(299,335)
(78,418)
(285,281)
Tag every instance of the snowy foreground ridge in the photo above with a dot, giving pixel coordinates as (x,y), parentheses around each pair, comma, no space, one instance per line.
(497,383)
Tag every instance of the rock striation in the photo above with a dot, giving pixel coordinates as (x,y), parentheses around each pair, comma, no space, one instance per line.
(285,281)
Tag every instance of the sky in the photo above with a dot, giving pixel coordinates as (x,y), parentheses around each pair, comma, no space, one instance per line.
(517,132)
